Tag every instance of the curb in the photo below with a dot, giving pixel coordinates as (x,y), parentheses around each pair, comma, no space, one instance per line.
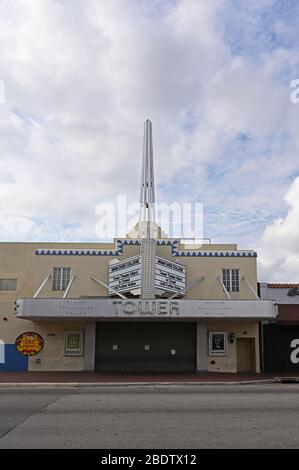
(288,380)
(78,385)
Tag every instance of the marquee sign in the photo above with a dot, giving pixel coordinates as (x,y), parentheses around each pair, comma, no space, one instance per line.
(96,309)
(125,276)
(170,276)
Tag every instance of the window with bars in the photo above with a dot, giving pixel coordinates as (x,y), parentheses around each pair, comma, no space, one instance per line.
(61,278)
(230,279)
(8,284)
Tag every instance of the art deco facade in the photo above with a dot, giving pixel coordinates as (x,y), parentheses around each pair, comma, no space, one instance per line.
(145,303)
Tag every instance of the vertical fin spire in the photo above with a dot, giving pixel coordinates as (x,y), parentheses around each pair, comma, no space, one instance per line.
(147,217)
(147,224)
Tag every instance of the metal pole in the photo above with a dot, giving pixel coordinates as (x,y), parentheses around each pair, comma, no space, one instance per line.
(68,286)
(106,285)
(224,288)
(41,286)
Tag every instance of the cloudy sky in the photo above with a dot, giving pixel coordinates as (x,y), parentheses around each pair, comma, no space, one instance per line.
(213,76)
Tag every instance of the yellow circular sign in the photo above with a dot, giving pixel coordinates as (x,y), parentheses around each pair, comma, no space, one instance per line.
(29,343)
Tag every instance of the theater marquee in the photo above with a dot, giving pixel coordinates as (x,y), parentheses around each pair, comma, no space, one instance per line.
(125,276)
(97,309)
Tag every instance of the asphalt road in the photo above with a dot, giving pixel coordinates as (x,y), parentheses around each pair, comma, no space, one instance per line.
(239,416)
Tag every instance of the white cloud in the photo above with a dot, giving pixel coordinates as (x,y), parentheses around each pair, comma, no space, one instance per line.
(80,84)
(81,77)
(279,245)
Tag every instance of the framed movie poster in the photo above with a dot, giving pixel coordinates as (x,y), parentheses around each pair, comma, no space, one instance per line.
(217,343)
(73,343)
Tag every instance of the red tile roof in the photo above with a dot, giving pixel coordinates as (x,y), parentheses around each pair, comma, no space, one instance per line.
(282,286)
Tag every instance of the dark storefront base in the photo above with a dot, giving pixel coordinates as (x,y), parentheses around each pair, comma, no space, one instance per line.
(281,348)
(144,346)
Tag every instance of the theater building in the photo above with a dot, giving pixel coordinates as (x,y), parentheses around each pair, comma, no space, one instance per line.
(280,345)
(140,303)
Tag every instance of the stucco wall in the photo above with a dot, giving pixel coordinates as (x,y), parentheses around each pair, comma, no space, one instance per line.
(229,363)
(18,260)
(52,356)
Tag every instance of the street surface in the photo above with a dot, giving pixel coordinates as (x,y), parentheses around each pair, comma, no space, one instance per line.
(202,416)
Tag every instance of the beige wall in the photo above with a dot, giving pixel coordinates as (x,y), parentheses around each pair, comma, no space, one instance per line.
(18,260)
(210,288)
(52,356)
(10,326)
(229,363)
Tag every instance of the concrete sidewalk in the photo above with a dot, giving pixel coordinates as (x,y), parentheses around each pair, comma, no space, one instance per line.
(85,379)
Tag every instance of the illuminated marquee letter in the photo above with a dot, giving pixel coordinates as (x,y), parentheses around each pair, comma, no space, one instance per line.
(129,307)
(162,307)
(295,354)
(145,308)
(174,308)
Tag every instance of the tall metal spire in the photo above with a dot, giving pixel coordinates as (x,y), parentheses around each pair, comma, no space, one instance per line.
(147,228)
(147,218)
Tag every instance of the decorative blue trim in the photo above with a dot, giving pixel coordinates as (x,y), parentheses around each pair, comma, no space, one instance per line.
(120,243)
(214,254)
